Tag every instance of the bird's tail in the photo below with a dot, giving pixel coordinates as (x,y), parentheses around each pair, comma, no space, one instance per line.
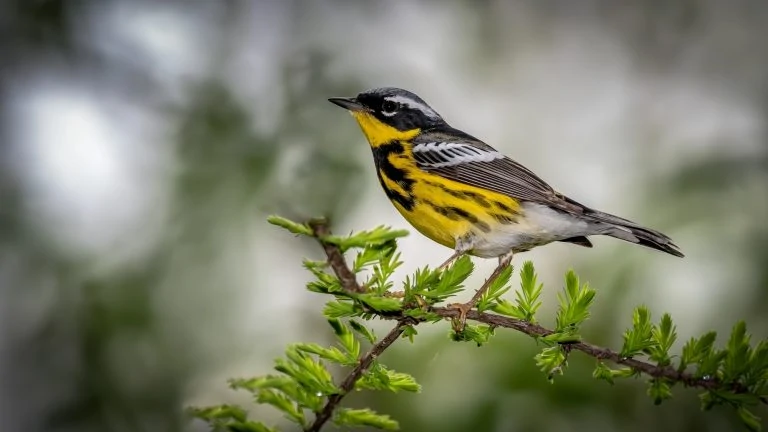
(627,230)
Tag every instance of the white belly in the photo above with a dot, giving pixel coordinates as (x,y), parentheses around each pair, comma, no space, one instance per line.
(540,225)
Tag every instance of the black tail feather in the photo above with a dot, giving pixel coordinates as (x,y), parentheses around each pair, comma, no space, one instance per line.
(627,230)
(631,232)
(645,237)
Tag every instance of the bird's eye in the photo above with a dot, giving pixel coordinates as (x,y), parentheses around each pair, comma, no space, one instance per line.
(388,107)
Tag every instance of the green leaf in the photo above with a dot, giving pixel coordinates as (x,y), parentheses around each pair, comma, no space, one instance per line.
(325,283)
(695,350)
(480,334)
(282,403)
(308,372)
(758,365)
(551,361)
(403,381)
(751,421)
(710,364)
(379,377)
(409,332)
(367,257)
(249,426)
(384,260)
(219,412)
(228,418)
(341,309)
(659,391)
(505,307)
(575,301)
(603,372)
(380,304)
(377,236)
(423,281)
(364,417)
(294,227)
(736,361)
(346,338)
(383,271)
(528,297)
(284,384)
(561,338)
(438,286)
(332,354)
(496,289)
(639,338)
(363,331)
(664,336)
(258,383)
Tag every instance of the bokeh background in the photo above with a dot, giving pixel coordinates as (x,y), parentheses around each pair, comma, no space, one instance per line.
(143,143)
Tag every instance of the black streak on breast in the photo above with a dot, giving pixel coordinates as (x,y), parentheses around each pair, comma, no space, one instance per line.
(385,168)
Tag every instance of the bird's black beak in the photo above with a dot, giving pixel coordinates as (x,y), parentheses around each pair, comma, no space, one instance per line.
(348,103)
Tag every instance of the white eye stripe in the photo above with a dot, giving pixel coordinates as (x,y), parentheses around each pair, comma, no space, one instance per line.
(442,154)
(412,104)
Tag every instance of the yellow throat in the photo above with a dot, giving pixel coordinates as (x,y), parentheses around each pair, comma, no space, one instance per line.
(378,133)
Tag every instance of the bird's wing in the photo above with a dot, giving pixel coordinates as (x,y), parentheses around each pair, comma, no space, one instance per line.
(467,160)
(462,158)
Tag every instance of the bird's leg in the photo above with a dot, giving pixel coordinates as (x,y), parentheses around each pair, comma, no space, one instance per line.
(464,244)
(464,308)
(450,260)
(506,258)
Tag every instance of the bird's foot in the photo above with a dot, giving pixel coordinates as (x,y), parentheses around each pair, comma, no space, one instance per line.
(458,323)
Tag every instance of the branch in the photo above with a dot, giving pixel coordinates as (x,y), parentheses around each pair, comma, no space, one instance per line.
(336,259)
(600,353)
(349,382)
(349,284)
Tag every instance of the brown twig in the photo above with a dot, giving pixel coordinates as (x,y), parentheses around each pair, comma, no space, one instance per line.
(491,279)
(336,259)
(595,351)
(349,382)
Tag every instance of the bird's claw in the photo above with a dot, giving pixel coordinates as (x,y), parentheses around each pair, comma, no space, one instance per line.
(460,322)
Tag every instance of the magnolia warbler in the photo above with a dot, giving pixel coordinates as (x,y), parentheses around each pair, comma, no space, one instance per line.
(463,194)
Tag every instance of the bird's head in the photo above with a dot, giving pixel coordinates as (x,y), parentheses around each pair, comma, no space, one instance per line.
(390,114)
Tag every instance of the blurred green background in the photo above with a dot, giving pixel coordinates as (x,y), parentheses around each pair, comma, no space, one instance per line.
(142,144)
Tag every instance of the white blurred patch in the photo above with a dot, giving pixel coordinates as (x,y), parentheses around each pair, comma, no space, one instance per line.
(170,44)
(90,168)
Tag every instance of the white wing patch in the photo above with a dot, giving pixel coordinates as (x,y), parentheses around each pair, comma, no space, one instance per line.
(412,104)
(443,154)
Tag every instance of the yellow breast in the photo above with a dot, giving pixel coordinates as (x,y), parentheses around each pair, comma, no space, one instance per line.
(443,210)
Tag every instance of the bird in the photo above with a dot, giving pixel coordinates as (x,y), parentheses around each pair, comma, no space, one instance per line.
(464,194)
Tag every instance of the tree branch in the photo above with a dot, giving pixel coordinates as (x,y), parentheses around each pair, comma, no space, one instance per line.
(349,382)
(595,351)
(349,283)
(336,259)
